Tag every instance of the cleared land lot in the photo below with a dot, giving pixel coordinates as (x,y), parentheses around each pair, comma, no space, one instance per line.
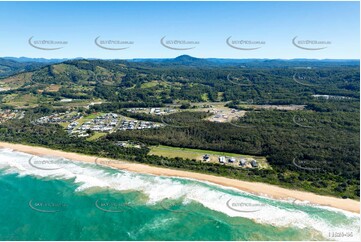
(219,112)
(278,107)
(197,154)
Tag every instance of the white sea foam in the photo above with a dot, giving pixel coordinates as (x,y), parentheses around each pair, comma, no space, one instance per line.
(157,189)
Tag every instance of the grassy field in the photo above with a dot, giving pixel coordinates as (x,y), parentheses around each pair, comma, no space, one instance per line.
(64,125)
(74,103)
(19,101)
(52,88)
(186,153)
(150,84)
(93,115)
(16,81)
(96,135)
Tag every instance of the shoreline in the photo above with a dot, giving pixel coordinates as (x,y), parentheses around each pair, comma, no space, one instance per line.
(257,188)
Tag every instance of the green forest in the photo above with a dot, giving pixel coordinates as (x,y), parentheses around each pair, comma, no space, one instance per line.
(314,149)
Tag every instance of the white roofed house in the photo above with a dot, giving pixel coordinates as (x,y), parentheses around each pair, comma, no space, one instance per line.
(83,135)
(231,160)
(222,159)
(242,162)
(254,163)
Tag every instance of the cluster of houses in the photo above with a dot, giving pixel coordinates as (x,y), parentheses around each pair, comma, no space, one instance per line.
(127,144)
(159,111)
(103,123)
(72,126)
(135,124)
(59,118)
(156,111)
(231,160)
(108,123)
(135,110)
(220,116)
(7,114)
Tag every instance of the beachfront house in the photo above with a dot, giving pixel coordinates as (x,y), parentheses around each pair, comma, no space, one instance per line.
(231,160)
(254,163)
(222,159)
(242,162)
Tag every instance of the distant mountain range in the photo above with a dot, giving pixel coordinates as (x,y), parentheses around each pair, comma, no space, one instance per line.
(13,65)
(39,60)
(183,59)
(187,60)
(9,67)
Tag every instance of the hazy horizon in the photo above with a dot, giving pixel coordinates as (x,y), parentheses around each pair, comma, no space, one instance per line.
(170,58)
(132,30)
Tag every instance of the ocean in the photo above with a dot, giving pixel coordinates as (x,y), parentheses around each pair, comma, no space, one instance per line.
(82,201)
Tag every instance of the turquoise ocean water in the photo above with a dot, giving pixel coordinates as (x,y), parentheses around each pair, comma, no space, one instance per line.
(77,201)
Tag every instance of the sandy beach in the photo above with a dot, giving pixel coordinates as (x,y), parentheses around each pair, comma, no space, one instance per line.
(251,187)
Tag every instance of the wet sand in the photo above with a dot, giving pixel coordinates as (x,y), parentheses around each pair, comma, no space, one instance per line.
(257,188)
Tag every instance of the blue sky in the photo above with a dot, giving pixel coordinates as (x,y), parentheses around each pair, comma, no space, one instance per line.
(208,23)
